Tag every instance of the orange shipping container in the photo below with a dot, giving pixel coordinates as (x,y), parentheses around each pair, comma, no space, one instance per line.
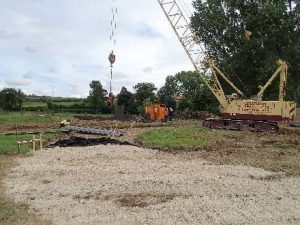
(156,112)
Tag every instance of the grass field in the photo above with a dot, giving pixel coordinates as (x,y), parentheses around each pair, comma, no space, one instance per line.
(31,118)
(9,142)
(67,103)
(175,138)
(28,104)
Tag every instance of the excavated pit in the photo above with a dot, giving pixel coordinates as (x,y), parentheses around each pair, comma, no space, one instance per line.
(82,142)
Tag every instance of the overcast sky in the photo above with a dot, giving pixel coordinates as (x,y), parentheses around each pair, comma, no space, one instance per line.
(62,45)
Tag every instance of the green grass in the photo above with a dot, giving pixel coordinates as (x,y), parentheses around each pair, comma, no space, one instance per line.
(176,138)
(282,145)
(67,103)
(8,209)
(8,143)
(31,118)
(30,104)
(27,104)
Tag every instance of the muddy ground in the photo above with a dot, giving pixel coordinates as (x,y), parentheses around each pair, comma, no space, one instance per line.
(131,185)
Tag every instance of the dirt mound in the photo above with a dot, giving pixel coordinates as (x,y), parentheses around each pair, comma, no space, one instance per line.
(81,142)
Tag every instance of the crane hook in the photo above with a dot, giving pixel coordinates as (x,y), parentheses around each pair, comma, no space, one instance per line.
(112,58)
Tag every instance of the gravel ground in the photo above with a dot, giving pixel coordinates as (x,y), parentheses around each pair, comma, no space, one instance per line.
(130,185)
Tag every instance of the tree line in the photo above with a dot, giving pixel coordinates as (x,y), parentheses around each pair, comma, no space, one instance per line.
(182,91)
(246,38)
(11,99)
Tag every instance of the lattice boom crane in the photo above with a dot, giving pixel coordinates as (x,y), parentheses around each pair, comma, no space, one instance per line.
(237,112)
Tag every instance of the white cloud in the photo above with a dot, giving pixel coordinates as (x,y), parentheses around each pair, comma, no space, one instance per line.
(148,69)
(29,49)
(28,75)
(66,43)
(5,35)
(15,82)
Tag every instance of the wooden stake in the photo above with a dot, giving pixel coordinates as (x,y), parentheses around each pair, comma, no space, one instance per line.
(17,137)
(33,143)
(41,142)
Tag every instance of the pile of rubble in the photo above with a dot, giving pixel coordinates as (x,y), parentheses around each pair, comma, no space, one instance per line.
(96,131)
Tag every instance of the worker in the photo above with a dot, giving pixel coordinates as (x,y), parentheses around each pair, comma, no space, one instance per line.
(171,112)
(64,123)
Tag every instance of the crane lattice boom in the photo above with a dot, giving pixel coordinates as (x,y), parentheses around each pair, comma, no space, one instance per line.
(192,46)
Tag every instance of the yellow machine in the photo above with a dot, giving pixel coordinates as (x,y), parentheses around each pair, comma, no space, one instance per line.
(252,114)
(237,112)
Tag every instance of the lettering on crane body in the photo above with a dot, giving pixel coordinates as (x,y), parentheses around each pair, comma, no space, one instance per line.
(254,106)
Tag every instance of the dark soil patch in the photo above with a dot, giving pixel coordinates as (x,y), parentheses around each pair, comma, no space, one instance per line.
(90,117)
(81,142)
(269,177)
(141,200)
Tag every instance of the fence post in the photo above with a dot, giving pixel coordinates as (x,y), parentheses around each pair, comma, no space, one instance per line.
(41,142)
(17,137)
(33,143)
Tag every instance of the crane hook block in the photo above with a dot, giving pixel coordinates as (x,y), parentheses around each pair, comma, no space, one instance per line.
(112,58)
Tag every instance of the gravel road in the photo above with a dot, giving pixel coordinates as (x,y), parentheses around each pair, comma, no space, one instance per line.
(130,185)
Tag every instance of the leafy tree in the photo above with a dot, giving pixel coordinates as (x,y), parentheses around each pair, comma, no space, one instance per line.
(144,95)
(204,100)
(144,91)
(50,105)
(196,95)
(168,91)
(247,37)
(97,95)
(188,84)
(11,99)
(141,107)
(126,98)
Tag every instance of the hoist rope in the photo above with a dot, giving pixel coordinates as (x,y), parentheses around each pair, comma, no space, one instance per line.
(112,38)
(113,23)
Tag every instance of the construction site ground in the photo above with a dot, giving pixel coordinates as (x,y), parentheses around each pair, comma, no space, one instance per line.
(238,178)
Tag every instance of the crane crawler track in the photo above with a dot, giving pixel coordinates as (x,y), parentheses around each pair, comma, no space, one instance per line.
(241,125)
